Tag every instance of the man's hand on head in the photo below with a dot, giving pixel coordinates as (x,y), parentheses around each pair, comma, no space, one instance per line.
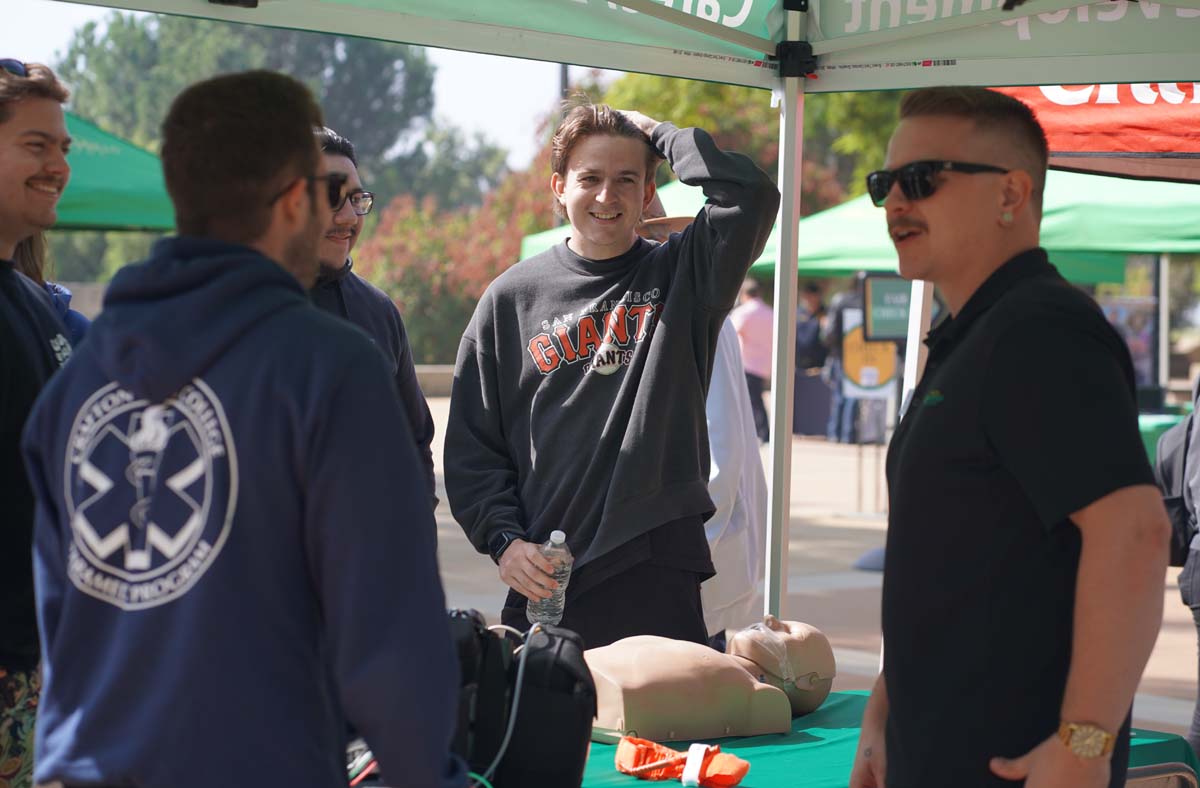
(643,122)
(524,569)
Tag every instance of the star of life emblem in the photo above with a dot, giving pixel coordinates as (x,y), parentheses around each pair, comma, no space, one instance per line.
(150,491)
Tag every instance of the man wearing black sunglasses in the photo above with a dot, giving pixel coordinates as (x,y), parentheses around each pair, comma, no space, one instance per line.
(33,173)
(341,291)
(229,503)
(1026,540)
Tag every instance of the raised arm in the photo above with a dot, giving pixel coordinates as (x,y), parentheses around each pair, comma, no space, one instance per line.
(731,230)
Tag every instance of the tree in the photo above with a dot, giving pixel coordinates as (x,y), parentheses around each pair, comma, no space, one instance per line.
(125,72)
(378,94)
(449,168)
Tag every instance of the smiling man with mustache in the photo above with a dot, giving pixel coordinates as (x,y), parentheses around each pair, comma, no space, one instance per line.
(33,172)
(1026,539)
(344,293)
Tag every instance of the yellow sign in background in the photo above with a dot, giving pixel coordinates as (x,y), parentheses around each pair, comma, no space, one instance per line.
(866,364)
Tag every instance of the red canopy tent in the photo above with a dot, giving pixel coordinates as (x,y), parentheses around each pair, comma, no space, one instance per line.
(1141,130)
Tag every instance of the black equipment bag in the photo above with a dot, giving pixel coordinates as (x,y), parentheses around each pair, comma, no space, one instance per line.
(1172,466)
(483,696)
(557,705)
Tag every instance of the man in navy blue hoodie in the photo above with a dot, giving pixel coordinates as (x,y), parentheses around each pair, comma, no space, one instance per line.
(234,550)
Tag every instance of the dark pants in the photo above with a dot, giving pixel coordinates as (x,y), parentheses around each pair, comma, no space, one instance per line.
(646,599)
(843,411)
(1189,590)
(756,385)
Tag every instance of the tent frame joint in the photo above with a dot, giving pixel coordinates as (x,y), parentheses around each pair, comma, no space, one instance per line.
(237,3)
(795,5)
(796,58)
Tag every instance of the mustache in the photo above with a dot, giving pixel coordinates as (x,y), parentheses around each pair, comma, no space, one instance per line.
(905,223)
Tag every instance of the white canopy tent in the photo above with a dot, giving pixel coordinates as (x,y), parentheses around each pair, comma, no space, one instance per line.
(858,45)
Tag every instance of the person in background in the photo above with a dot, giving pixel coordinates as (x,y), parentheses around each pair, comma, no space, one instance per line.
(344,293)
(33,173)
(754,322)
(843,410)
(811,397)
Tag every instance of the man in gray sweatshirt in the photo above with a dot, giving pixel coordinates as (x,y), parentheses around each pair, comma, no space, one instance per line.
(579,390)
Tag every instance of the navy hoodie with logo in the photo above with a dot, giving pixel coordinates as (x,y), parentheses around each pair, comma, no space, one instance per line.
(234,549)
(32,347)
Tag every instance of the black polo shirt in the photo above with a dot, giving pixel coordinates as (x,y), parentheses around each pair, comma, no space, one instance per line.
(1025,414)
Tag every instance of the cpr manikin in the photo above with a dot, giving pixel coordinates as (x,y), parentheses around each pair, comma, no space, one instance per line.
(671,690)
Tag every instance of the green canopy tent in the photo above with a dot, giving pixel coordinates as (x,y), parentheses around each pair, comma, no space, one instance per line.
(857,45)
(114,184)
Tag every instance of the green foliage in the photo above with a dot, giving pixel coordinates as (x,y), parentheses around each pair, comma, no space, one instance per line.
(376,93)
(449,168)
(864,122)
(125,72)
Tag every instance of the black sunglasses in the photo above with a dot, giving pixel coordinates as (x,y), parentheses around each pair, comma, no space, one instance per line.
(335,184)
(14,67)
(918,179)
(361,201)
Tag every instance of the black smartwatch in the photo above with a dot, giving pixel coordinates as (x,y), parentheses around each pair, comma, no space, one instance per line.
(499,542)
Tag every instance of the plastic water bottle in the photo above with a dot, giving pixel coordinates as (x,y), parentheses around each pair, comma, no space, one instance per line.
(550,611)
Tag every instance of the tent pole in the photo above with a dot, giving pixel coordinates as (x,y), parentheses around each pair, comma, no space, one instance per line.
(791,142)
(920,313)
(1164,320)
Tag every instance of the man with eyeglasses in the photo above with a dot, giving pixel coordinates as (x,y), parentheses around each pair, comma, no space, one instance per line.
(344,293)
(33,172)
(233,551)
(1027,543)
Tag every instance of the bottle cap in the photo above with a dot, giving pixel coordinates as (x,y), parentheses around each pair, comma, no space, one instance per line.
(557,537)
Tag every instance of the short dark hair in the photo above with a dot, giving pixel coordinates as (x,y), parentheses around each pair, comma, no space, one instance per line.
(751,288)
(39,82)
(230,144)
(335,144)
(583,120)
(993,111)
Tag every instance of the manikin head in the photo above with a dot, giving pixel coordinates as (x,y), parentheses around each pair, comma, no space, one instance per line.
(962,186)
(790,655)
(603,179)
(33,151)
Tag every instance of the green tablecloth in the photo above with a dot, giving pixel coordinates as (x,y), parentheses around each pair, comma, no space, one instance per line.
(820,749)
(1152,425)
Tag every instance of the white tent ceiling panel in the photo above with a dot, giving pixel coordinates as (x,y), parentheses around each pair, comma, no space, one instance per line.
(594,34)
(1112,41)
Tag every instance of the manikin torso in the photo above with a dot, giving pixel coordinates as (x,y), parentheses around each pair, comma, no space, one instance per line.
(670,690)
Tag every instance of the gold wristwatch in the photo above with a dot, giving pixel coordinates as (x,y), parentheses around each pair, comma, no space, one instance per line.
(1086,740)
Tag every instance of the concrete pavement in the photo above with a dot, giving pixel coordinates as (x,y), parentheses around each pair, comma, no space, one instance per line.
(837,502)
